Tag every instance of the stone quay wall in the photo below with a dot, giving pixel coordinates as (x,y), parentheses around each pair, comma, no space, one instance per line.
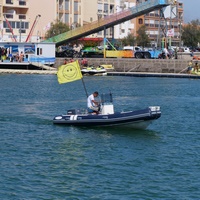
(141,65)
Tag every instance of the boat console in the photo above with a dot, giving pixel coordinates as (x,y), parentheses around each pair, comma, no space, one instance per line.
(107,106)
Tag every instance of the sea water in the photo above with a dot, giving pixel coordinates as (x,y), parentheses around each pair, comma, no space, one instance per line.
(40,160)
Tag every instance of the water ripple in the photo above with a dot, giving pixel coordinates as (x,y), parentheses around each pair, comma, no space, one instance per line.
(42,161)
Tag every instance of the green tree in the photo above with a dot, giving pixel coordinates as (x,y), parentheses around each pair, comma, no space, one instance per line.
(142,37)
(191,33)
(128,40)
(57,28)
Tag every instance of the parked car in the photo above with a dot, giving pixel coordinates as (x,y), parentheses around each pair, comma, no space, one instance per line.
(186,49)
(69,53)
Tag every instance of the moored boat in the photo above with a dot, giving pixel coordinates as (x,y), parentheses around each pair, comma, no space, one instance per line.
(91,70)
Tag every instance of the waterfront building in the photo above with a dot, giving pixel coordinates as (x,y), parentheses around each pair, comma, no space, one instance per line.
(163,25)
(13,20)
(79,13)
(157,22)
(31,18)
(25,19)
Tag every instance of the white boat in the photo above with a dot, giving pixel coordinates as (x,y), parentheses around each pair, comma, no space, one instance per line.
(91,70)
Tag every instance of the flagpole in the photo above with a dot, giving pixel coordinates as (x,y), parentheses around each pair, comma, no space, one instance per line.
(84,87)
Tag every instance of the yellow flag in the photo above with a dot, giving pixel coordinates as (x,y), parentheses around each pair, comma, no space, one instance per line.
(69,72)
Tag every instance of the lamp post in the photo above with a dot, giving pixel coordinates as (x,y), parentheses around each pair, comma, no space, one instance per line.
(20,31)
(119,29)
(180,34)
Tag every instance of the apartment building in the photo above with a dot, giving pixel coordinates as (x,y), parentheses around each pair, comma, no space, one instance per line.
(159,22)
(31,18)
(81,12)
(13,20)
(128,27)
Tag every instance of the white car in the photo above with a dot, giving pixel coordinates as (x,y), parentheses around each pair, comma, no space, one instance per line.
(186,49)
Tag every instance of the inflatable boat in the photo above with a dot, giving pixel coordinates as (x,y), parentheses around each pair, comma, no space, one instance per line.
(139,119)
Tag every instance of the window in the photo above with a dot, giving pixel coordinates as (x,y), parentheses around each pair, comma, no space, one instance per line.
(76,18)
(22,25)
(140,21)
(75,6)
(17,25)
(12,24)
(66,4)
(9,2)
(23,31)
(9,16)
(22,16)
(105,8)
(100,8)
(26,25)
(66,18)
(22,3)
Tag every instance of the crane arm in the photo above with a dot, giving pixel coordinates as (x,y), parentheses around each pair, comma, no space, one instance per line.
(32,28)
(8,23)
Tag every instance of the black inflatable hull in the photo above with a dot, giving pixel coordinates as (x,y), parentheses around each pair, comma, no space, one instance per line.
(137,119)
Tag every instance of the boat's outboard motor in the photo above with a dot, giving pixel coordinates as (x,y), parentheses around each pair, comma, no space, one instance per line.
(107,104)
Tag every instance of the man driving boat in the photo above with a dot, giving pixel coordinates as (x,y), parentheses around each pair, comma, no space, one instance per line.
(92,104)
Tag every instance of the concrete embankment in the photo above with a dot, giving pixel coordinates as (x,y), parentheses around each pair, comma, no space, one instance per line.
(141,65)
(136,67)
(158,75)
(24,71)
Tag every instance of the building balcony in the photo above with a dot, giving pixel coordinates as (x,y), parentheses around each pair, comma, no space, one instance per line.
(17,4)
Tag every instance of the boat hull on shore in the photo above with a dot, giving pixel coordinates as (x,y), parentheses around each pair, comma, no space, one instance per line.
(139,119)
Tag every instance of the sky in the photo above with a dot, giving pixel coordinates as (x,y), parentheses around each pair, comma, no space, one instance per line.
(191,10)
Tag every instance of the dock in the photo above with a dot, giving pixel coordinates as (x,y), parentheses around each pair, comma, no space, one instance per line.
(133,74)
(148,74)
(26,71)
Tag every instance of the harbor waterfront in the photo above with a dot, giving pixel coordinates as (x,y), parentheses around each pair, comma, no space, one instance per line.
(40,160)
(135,74)
(178,66)
(142,65)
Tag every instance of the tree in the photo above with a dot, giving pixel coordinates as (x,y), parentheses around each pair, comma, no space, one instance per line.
(57,28)
(128,40)
(142,37)
(191,33)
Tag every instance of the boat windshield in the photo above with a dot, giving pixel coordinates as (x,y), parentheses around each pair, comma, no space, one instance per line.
(106,98)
